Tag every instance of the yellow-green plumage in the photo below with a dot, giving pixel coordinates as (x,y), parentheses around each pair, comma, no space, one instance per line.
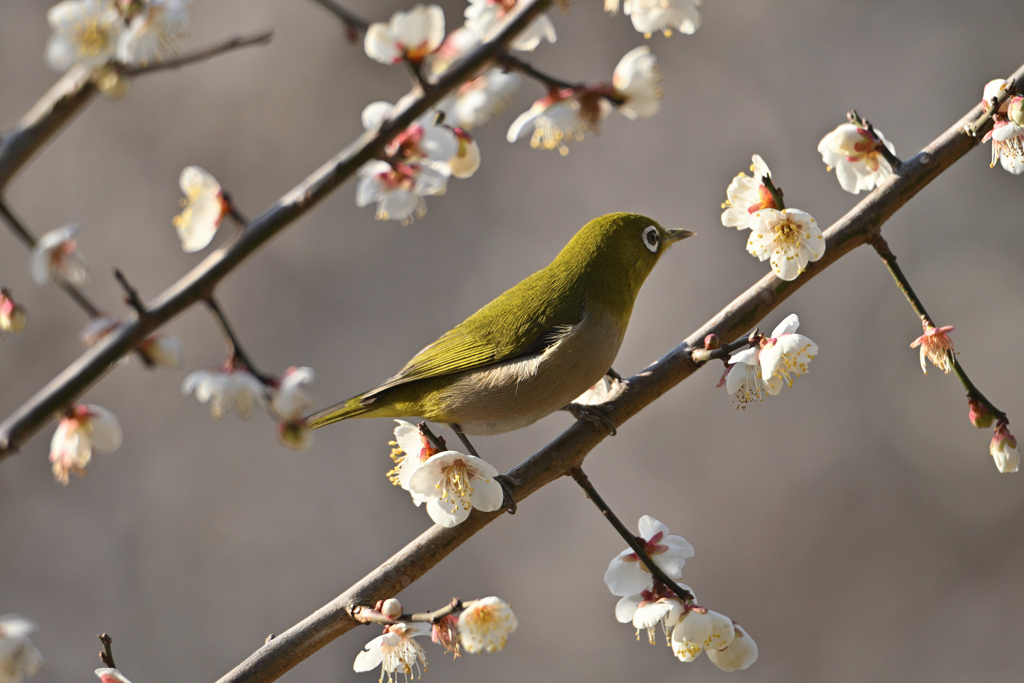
(533,349)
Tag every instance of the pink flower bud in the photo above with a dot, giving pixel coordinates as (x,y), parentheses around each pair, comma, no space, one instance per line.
(1015,112)
(1004,449)
(13,316)
(711,342)
(979,415)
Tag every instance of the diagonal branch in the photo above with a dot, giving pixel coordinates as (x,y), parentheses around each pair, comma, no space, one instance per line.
(236,43)
(201,281)
(567,452)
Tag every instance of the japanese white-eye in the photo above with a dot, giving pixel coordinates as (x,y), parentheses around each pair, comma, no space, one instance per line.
(536,347)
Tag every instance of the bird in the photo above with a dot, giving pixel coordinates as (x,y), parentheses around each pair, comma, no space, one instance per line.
(533,349)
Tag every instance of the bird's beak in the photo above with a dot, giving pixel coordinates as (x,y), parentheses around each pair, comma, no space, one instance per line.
(676,235)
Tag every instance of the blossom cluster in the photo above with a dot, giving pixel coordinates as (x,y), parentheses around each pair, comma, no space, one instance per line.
(648,603)
(94,33)
(788,238)
(1007,134)
(483,625)
(763,370)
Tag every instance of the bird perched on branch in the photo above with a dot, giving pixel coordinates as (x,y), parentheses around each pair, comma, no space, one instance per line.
(536,347)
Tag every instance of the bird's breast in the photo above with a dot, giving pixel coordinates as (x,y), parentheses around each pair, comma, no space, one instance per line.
(516,393)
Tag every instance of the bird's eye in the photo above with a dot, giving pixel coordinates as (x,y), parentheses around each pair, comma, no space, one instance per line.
(650,238)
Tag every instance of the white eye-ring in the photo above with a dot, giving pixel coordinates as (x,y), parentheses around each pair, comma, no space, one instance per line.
(650,238)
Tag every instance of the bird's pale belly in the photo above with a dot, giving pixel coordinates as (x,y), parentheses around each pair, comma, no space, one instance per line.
(517,393)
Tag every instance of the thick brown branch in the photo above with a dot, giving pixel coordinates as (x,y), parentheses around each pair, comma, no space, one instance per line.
(200,282)
(568,450)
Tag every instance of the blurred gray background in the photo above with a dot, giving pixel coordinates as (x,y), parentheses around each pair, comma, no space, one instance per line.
(855,525)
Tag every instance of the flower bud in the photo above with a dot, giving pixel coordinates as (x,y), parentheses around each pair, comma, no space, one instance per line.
(294,435)
(993,89)
(1015,112)
(1004,450)
(978,414)
(13,316)
(391,608)
(467,159)
(711,342)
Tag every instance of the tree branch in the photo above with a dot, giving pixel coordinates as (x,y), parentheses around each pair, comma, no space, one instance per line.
(236,43)
(567,451)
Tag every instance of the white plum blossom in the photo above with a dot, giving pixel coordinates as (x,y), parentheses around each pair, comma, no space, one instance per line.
(412,450)
(1007,138)
(993,90)
(153,30)
(408,35)
(936,346)
(666,16)
(790,239)
(785,353)
(289,402)
(637,80)
(556,119)
(108,675)
(486,17)
(97,328)
(743,381)
(13,316)
(745,196)
(701,629)
(205,207)
(454,483)
(56,256)
(648,609)
(163,350)
(627,575)
(85,428)
(602,392)
(856,155)
(465,162)
(18,656)
(485,625)
(85,32)
(395,652)
(737,655)
(224,389)
(1004,450)
(477,101)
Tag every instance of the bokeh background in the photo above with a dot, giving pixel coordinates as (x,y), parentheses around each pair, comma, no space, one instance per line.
(855,525)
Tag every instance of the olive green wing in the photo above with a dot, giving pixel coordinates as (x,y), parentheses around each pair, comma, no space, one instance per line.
(521,322)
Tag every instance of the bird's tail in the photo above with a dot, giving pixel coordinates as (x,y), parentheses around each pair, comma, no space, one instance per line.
(339,411)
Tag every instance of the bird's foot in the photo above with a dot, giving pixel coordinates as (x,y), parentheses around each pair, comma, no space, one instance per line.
(595,415)
(507,484)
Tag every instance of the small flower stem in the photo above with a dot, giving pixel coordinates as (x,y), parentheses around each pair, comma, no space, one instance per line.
(854,118)
(22,233)
(632,540)
(132,297)
(882,247)
(199,55)
(368,615)
(1008,91)
(231,339)
(705,355)
(233,211)
(775,192)
(435,440)
(107,656)
(351,21)
(513,63)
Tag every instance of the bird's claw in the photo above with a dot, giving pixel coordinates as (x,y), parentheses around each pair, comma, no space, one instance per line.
(507,484)
(595,415)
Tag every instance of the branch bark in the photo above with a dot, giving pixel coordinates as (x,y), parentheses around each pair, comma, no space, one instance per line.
(568,450)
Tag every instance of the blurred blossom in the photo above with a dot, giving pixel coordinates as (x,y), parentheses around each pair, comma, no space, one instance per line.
(225,389)
(18,656)
(83,429)
(477,101)
(13,316)
(108,675)
(486,17)
(746,196)
(395,652)
(85,32)
(465,162)
(627,575)
(790,239)
(1004,450)
(413,449)
(785,353)
(453,483)
(408,35)
(637,80)
(153,30)
(205,207)
(737,655)
(485,625)
(288,400)
(666,16)
(56,256)
(446,634)
(648,609)
(602,392)
(936,346)
(856,155)
(163,350)
(97,328)
(555,120)
(701,629)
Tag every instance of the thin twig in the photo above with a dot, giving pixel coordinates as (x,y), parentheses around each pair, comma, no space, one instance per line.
(881,147)
(513,63)
(631,539)
(202,55)
(775,192)
(107,656)
(435,440)
(568,450)
(1009,89)
(704,355)
(882,247)
(348,18)
(235,351)
(368,615)
(132,297)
